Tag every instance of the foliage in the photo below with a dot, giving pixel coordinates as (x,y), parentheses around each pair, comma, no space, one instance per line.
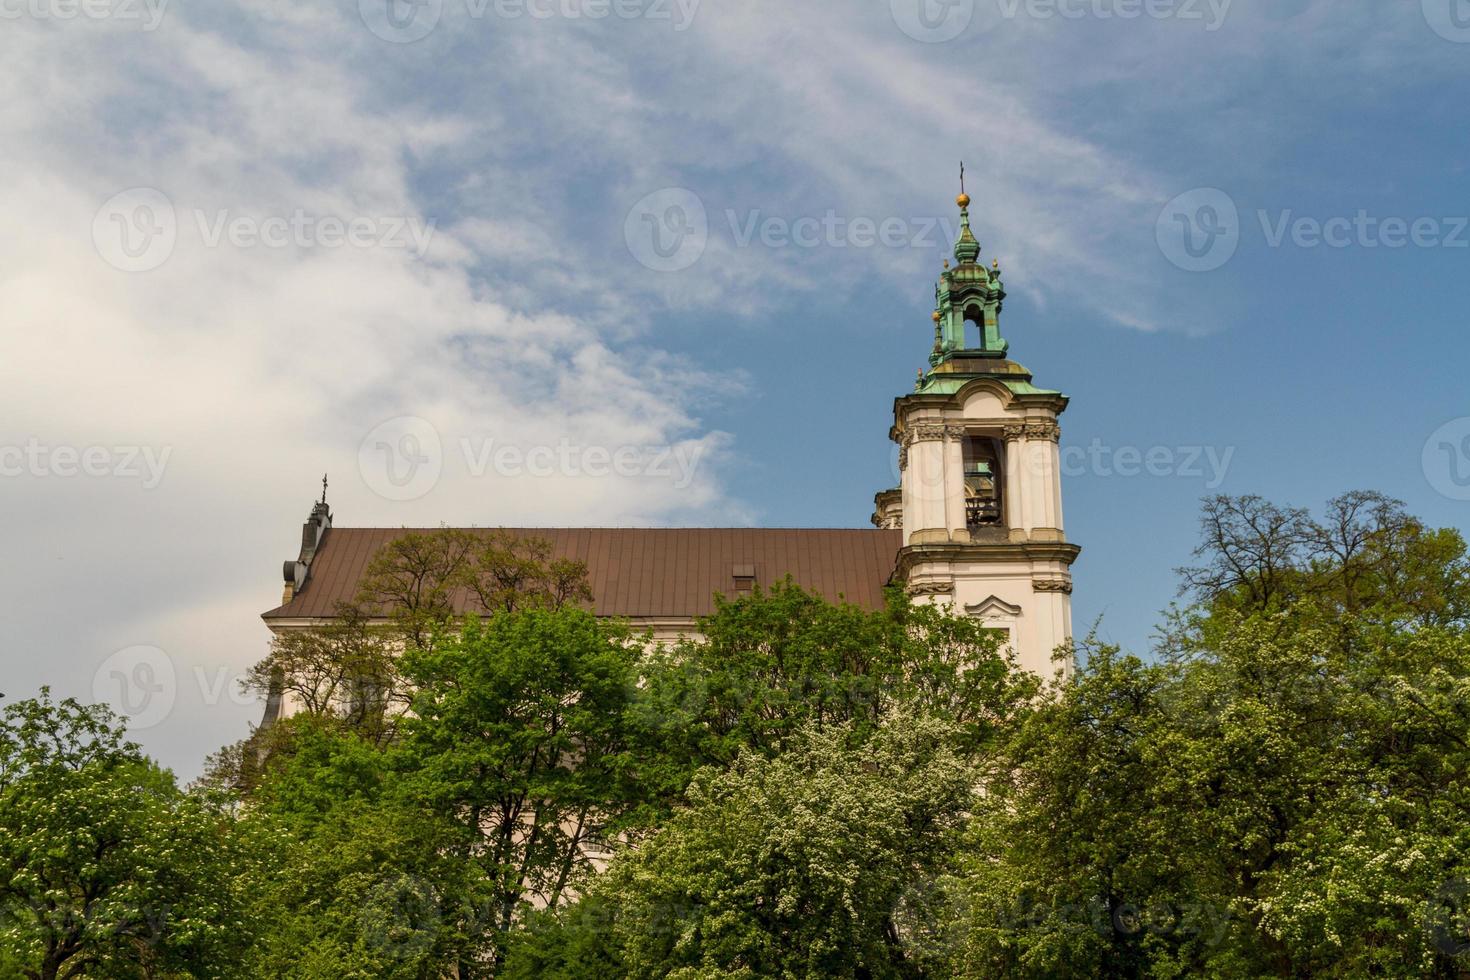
(106,868)
(1365,558)
(413,578)
(767,665)
(1281,795)
(345,668)
(523,734)
(420,578)
(803,865)
(507,572)
(806,790)
(370,886)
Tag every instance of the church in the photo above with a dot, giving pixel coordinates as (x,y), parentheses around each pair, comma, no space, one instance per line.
(975,522)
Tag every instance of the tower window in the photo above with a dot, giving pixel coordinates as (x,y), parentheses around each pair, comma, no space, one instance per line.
(975,327)
(983,482)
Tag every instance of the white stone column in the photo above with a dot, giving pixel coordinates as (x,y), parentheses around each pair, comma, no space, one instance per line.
(1033,479)
(1044,474)
(954,483)
(1056,479)
(1015,487)
(926,484)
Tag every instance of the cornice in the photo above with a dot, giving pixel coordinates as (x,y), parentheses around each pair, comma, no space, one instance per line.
(908,557)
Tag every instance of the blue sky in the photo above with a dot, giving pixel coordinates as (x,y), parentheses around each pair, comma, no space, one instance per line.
(179,294)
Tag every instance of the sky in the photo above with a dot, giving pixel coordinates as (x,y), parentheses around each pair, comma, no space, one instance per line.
(668,262)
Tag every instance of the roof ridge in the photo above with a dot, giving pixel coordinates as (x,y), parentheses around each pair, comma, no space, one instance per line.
(593,527)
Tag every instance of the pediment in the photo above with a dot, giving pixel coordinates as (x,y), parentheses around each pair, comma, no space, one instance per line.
(993,608)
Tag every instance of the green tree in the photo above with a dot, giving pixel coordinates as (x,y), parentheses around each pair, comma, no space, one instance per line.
(771,663)
(1366,557)
(370,885)
(507,572)
(422,579)
(523,734)
(413,578)
(1281,795)
(106,867)
(811,864)
(346,670)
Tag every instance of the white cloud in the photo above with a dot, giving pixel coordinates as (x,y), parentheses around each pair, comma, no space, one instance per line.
(524,142)
(257,367)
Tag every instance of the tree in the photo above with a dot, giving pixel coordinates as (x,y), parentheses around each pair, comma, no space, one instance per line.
(508,572)
(778,660)
(523,735)
(370,885)
(1081,861)
(1282,795)
(413,578)
(1250,546)
(811,864)
(106,868)
(345,669)
(421,578)
(1366,556)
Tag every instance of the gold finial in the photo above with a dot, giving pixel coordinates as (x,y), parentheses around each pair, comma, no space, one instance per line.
(946,263)
(964,199)
(995,264)
(937,317)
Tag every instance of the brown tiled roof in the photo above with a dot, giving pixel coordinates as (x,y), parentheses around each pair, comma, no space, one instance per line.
(647,572)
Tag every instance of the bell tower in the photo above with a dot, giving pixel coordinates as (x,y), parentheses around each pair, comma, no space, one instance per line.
(980,494)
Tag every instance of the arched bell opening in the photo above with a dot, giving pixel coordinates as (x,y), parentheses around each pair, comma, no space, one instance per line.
(974,327)
(984,482)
